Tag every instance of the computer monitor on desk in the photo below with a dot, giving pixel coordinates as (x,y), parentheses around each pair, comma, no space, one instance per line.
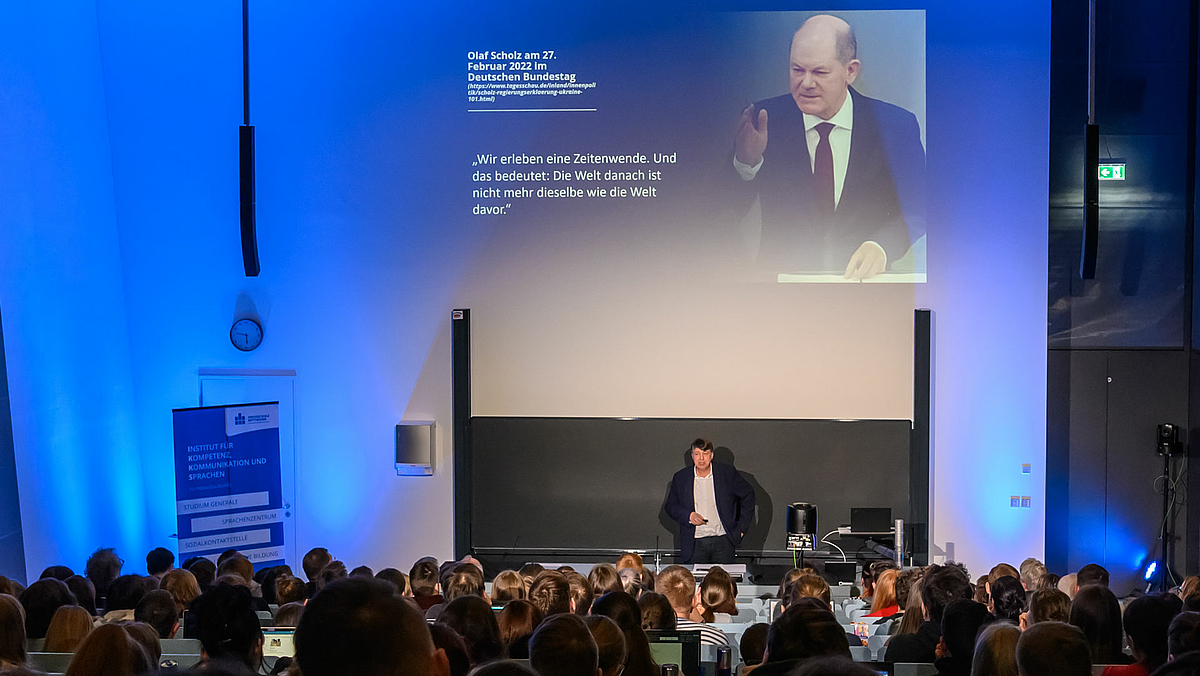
(676,647)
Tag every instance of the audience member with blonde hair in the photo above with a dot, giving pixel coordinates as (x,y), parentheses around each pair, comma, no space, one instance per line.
(883,603)
(110,651)
(183,587)
(1033,576)
(68,627)
(996,650)
(12,633)
(507,586)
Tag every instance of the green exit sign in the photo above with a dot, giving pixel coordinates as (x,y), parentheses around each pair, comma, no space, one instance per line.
(1112,171)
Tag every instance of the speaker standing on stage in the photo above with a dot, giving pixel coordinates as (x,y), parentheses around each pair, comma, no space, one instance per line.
(713,505)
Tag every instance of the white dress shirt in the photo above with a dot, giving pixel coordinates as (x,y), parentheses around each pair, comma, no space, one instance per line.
(839,143)
(704,497)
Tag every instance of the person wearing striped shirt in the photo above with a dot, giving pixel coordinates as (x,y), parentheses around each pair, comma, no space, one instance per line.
(679,586)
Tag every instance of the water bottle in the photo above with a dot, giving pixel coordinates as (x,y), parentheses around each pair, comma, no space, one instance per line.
(670,670)
(724,661)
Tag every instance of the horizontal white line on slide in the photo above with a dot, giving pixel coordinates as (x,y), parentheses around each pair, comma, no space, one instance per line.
(225,541)
(222,502)
(255,555)
(531,110)
(223,521)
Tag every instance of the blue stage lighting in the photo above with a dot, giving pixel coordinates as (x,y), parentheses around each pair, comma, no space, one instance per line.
(1150,571)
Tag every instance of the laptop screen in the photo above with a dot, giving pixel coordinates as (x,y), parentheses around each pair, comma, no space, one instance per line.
(676,647)
(278,643)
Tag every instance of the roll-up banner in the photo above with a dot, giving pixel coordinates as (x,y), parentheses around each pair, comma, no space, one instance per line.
(227,482)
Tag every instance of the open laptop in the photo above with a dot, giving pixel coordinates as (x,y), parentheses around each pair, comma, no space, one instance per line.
(676,647)
(277,642)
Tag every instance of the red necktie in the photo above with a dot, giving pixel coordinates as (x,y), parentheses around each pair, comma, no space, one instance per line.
(823,169)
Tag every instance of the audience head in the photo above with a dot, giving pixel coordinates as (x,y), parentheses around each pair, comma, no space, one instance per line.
(361,627)
(807,586)
(1147,621)
(145,636)
(159,560)
(551,592)
(530,571)
(940,586)
(1034,576)
(961,621)
(205,572)
(805,630)
(335,571)
(390,575)
(314,561)
(1048,605)
(1066,584)
(290,589)
(110,651)
(679,586)
(69,626)
(228,626)
(158,609)
(465,580)
(1007,600)
(516,624)
(623,609)
(885,590)
(57,572)
(449,642)
(603,578)
(718,594)
(904,583)
(237,565)
(581,592)
(832,666)
(424,578)
(288,614)
(1183,635)
(503,668)
(40,600)
(12,631)
(657,612)
(1002,570)
(629,560)
(1053,649)
(362,571)
(610,644)
(102,567)
(473,619)
(84,591)
(563,646)
(1189,586)
(981,590)
(1096,611)
(1093,573)
(996,650)
(507,586)
(125,592)
(913,616)
(753,643)
(788,578)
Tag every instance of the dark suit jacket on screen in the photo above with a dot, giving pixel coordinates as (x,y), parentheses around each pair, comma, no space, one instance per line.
(735,504)
(883,196)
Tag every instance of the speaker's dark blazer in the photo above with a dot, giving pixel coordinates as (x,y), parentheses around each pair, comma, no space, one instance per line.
(883,196)
(735,504)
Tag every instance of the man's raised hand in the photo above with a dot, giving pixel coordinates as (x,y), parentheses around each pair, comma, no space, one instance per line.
(751,138)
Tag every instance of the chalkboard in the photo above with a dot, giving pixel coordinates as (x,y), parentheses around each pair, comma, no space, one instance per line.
(600,483)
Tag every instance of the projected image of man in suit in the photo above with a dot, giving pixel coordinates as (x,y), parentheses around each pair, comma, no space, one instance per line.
(839,175)
(713,505)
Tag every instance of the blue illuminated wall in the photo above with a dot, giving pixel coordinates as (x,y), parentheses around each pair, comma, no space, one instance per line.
(119,263)
(66,337)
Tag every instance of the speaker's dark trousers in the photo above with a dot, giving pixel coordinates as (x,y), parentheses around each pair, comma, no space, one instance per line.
(714,549)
